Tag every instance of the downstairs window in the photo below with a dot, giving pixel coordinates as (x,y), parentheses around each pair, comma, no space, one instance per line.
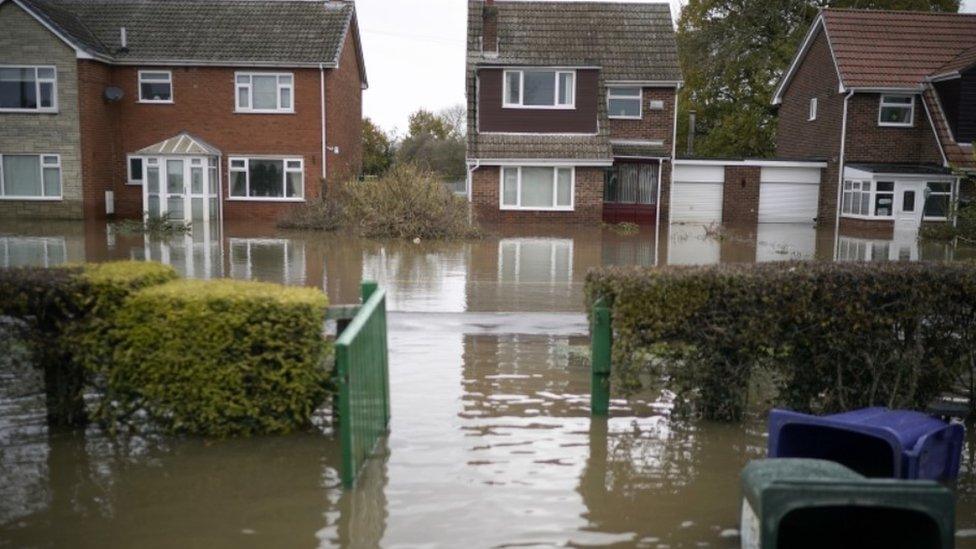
(30,176)
(536,188)
(267,178)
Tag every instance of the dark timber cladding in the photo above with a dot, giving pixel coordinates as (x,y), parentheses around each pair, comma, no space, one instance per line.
(493,118)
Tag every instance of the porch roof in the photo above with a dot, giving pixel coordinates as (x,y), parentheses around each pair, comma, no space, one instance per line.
(899,169)
(181,144)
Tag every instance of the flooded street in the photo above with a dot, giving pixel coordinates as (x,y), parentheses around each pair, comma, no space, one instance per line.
(491,439)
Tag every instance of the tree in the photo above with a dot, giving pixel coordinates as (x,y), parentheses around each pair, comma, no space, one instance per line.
(377,149)
(733,53)
(436,142)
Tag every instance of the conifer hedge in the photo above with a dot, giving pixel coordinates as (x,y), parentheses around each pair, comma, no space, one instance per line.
(831,336)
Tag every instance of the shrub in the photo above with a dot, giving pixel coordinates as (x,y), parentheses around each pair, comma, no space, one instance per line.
(321,214)
(218,358)
(61,307)
(832,336)
(963,229)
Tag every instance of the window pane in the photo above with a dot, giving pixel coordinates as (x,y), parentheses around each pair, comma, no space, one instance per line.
(196,180)
(897,99)
(940,187)
(510,190)
(47,95)
(294,182)
(537,188)
(624,92)
(174,176)
(883,204)
(267,179)
(238,184)
(865,204)
(17,89)
(294,165)
(937,205)
(52,182)
(285,98)
(45,72)
(155,91)
(624,107)
(512,84)
(243,79)
(886,186)
(895,115)
(627,179)
(908,201)
(647,191)
(174,206)
(566,88)
(135,169)
(285,79)
(610,187)
(243,98)
(564,187)
(540,88)
(265,92)
(152,179)
(21,175)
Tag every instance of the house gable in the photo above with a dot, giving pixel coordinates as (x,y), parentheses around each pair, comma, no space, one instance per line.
(816,36)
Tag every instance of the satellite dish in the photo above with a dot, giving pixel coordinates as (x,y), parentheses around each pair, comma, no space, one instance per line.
(113,93)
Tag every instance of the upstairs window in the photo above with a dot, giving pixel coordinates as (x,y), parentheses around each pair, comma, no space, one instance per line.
(155,87)
(539,89)
(897,110)
(28,89)
(624,103)
(265,92)
(813,109)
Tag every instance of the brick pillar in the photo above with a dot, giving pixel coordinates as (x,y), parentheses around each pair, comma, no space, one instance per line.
(740,199)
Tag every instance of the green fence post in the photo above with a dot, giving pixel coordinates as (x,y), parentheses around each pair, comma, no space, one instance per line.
(600,344)
(367,290)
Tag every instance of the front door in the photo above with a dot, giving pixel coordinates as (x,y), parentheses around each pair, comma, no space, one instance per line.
(181,188)
(909,203)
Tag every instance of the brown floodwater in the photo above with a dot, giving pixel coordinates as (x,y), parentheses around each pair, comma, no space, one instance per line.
(491,442)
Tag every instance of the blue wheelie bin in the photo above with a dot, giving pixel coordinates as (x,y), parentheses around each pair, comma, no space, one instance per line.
(875,442)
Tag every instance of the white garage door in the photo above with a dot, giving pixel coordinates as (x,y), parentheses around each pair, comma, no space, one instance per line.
(789,195)
(696,196)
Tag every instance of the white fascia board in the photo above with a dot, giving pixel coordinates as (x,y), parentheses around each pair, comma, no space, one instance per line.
(753,163)
(888,89)
(854,173)
(644,83)
(638,142)
(944,76)
(545,162)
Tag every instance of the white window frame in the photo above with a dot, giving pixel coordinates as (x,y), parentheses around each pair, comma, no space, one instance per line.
(639,97)
(37,89)
(928,193)
(247,178)
(814,106)
(250,92)
(555,190)
(169,80)
(130,180)
(884,104)
(41,157)
(874,192)
(555,99)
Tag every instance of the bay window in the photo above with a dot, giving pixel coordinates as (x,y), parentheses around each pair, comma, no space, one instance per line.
(537,188)
(30,176)
(938,196)
(897,110)
(267,178)
(265,92)
(624,103)
(539,89)
(28,89)
(857,198)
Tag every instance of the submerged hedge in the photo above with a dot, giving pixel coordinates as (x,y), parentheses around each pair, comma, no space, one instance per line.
(217,358)
(824,336)
(60,307)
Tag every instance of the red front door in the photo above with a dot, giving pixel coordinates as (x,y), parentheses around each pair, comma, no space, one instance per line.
(630,193)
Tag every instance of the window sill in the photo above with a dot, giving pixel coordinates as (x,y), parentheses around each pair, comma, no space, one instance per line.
(134,183)
(32,198)
(28,111)
(890,125)
(238,111)
(262,199)
(151,102)
(625,117)
(521,209)
(542,107)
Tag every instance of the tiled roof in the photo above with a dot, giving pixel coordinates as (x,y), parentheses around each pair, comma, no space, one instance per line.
(905,169)
(961,62)
(247,31)
(539,147)
(958,155)
(896,48)
(627,150)
(629,41)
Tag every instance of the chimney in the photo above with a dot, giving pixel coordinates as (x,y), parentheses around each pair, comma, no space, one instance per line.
(489,28)
(123,40)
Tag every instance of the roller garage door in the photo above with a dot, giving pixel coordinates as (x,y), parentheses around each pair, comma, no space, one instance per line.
(789,195)
(696,195)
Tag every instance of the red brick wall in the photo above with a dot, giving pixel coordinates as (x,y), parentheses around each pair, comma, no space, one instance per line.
(653,125)
(588,199)
(869,142)
(665,211)
(344,115)
(877,228)
(740,196)
(98,121)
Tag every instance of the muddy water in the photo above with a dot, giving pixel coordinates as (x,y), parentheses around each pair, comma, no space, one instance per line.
(491,441)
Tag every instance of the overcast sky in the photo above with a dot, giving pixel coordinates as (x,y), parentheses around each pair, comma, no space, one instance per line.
(415,56)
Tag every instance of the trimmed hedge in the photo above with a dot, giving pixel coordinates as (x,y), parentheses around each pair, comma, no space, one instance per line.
(218,358)
(61,307)
(829,336)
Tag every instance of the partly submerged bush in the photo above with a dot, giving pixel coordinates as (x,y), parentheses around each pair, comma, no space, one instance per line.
(319,214)
(832,336)
(218,358)
(153,226)
(62,307)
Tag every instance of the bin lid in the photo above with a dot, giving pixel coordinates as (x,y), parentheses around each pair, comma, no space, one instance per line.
(760,474)
(906,426)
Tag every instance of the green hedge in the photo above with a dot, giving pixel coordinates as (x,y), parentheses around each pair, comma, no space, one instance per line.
(218,358)
(61,306)
(822,336)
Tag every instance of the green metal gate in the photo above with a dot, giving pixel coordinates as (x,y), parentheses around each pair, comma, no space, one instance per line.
(364,382)
(601,344)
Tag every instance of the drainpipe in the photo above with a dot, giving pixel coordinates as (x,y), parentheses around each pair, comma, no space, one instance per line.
(840,174)
(472,167)
(324,151)
(660,179)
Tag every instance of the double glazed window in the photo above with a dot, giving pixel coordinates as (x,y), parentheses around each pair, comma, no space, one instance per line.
(265,92)
(532,188)
(631,184)
(540,89)
(857,197)
(30,176)
(267,178)
(897,110)
(938,198)
(155,87)
(624,102)
(28,89)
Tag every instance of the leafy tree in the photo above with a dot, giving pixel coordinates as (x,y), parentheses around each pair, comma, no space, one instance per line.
(436,142)
(733,53)
(377,149)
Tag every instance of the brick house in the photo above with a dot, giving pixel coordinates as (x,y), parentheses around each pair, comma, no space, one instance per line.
(888,100)
(186,108)
(568,129)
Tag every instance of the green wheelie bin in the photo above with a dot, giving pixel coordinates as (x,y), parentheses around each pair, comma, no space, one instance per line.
(806,503)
